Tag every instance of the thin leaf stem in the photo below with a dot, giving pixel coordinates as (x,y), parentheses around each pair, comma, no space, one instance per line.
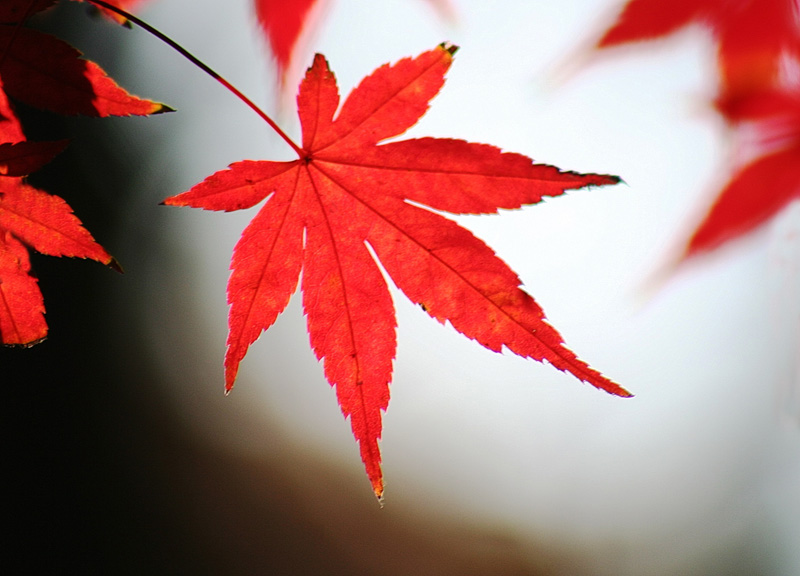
(204,67)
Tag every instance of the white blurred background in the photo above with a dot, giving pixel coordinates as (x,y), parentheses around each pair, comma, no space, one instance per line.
(698,474)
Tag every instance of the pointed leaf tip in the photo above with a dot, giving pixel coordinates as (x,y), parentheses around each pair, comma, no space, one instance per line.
(448,47)
(115,265)
(162,108)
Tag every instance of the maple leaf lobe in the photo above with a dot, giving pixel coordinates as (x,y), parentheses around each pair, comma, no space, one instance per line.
(21,304)
(46,72)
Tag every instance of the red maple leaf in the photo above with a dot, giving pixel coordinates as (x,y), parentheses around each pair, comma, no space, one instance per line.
(758,41)
(348,202)
(766,184)
(44,72)
(281,21)
(44,222)
(752,35)
(33,218)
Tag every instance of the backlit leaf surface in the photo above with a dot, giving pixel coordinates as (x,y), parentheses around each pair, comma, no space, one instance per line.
(347,200)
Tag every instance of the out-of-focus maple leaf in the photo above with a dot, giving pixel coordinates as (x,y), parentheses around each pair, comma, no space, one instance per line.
(758,41)
(751,35)
(281,22)
(284,22)
(348,202)
(766,184)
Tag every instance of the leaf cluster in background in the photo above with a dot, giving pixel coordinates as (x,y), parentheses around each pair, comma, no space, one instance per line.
(758,57)
(47,73)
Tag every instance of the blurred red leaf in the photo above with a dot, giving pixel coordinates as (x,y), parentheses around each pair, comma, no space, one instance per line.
(758,41)
(349,202)
(751,35)
(281,22)
(284,22)
(765,185)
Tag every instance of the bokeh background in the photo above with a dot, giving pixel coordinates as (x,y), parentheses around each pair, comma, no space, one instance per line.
(125,457)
